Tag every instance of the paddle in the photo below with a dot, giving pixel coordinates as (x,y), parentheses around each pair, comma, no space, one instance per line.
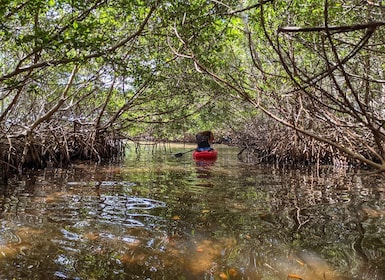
(181,154)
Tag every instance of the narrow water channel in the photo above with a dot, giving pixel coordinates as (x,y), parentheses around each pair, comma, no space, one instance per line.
(156,216)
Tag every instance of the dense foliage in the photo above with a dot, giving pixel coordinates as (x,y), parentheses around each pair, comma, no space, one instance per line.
(314,67)
(78,76)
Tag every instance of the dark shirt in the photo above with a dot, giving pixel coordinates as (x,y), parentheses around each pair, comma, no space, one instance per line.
(204,144)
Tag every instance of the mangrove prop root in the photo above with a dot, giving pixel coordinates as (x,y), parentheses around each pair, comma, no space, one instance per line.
(271,143)
(57,149)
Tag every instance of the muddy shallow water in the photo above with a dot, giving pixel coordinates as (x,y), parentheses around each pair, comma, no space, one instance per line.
(156,216)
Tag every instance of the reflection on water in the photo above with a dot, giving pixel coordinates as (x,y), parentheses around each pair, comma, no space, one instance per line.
(156,216)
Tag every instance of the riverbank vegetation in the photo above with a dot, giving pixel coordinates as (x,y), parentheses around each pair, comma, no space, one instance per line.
(287,81)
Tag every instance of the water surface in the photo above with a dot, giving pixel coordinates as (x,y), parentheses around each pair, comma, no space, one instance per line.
(156,216)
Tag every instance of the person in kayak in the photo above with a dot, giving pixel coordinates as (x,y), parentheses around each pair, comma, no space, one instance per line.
(204,140)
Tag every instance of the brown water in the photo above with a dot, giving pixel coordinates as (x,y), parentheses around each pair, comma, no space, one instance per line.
(155,216)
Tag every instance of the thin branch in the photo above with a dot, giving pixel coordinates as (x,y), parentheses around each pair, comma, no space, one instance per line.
(336,29)
(257,5)
(60,102)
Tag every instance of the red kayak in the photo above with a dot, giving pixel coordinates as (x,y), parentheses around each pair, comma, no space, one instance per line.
(205,155)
